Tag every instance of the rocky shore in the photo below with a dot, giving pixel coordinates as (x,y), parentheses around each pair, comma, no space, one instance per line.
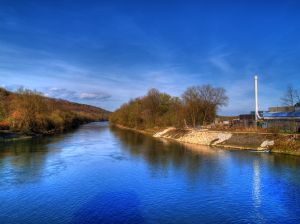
(270,142)
(265,142)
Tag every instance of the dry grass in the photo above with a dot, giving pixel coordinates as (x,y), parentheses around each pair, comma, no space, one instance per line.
(288,143)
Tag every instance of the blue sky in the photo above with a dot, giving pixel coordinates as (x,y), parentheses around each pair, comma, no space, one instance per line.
(106,52)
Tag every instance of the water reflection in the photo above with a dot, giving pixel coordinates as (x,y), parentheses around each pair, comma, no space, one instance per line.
(113,175)
(202,163)
(256,183)
(164,155)
(21,161)
(30,160)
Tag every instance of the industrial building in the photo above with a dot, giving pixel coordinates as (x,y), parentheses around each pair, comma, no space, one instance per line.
(276,118)
(283,118)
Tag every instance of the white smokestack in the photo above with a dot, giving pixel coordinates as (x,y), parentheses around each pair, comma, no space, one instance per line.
(256,98)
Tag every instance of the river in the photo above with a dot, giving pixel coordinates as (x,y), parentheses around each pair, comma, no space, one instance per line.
(99,174)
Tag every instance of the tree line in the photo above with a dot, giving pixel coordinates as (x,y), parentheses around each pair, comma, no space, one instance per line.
(198,105)
(31,112)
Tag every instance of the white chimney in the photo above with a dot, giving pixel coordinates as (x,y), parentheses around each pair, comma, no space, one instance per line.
(257,117)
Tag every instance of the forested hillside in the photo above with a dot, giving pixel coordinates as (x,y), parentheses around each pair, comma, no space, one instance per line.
(31,112)
(198,105)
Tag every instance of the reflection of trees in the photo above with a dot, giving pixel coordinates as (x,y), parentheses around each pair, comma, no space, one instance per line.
(26,160)
(161,155)
(201,162)
(23,161)
(281,161)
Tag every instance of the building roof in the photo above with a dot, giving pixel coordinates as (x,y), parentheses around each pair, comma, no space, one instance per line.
(282,115)
(282,109)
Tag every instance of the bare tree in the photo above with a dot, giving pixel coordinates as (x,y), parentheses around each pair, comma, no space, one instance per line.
(202,103)
(3,104)
(192,104)
(291,96)
(213,99)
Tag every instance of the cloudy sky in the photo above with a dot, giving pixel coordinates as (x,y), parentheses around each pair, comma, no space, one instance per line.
(106,52)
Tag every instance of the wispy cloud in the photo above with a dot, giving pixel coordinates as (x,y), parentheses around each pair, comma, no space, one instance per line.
(220,61)
(94,96)
(63,93)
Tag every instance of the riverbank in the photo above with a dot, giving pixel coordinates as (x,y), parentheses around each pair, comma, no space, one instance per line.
(269,142)
(12,136)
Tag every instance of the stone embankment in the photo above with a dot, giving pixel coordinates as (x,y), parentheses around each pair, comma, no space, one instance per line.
(289,144)
(264,142)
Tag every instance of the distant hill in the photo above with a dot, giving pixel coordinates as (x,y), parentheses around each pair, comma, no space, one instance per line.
(30,112)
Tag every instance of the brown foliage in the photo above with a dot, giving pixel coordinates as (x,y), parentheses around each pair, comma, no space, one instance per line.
(198,105)
(29,111)
(202,102)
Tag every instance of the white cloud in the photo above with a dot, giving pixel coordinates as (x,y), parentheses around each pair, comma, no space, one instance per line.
(76,95)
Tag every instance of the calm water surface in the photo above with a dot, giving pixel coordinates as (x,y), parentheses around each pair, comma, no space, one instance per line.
(99,174)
